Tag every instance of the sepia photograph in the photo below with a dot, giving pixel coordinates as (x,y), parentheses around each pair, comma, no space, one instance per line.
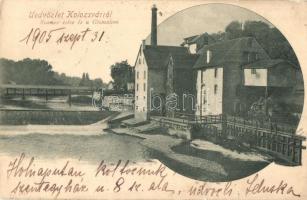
(212,92)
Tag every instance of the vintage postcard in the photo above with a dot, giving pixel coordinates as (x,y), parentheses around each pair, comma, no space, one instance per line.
(157,100)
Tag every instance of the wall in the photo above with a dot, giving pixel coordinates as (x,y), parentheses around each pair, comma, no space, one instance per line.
(258,79)
(156,90)
(141,97)
(198,90)
(184,87)
(233,79)
(209,102)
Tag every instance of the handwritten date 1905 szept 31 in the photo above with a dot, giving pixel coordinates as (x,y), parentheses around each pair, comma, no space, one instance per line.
(60,36)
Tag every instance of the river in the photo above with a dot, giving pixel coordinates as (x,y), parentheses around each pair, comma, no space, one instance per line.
(91,148)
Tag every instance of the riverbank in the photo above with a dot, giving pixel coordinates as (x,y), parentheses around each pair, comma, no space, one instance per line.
(188,158)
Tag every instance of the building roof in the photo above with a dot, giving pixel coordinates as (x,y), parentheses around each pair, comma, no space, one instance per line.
(194,39)
(185,61)
(157,56)
(188,40)
(228,51)
(267,63)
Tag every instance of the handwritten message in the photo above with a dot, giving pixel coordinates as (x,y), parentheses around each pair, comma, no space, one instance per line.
(125,176)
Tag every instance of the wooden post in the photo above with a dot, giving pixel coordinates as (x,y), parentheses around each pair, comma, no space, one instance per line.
(283,145)
(92,91)
(268,141)
(69,97)
(201,95)
(300,153)
(293,149)
(23,94)
(46,94)
(288,146)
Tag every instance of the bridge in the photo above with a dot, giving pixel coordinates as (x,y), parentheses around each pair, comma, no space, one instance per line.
(44,90)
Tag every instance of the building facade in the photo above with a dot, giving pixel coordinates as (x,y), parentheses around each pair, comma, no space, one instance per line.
(207,77)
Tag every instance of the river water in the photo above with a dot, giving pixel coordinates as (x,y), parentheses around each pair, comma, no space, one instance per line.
(91,148)
(94,145)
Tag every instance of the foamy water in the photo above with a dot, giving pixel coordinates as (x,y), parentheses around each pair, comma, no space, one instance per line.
(208,146)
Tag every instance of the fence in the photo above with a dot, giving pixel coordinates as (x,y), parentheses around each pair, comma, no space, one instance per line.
(272,138)
(275,138)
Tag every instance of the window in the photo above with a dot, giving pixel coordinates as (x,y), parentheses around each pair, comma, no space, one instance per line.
(139,60)
(144,74)
(136,107)
(215,72)
(137,87)
(137,97)
(253,71)
(144,97)
(137,75)
(215,89)
(204,95)
(144,87)
(143,108)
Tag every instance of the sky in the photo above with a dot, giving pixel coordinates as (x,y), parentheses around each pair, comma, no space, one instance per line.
(120,41)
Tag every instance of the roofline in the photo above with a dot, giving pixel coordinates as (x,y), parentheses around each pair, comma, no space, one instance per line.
(190,37)
(137,56)
(224,41)
(157,46)
(281,61)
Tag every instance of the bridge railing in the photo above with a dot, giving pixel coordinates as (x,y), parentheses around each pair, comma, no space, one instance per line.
(192,119)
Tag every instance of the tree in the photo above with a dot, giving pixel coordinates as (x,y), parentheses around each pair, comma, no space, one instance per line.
(28,71)
(39,72)
(122,73)
(234,30)
(270,38)
(85,81)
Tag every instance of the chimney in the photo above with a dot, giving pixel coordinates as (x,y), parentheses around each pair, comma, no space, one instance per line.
(154,25)
(209,56)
